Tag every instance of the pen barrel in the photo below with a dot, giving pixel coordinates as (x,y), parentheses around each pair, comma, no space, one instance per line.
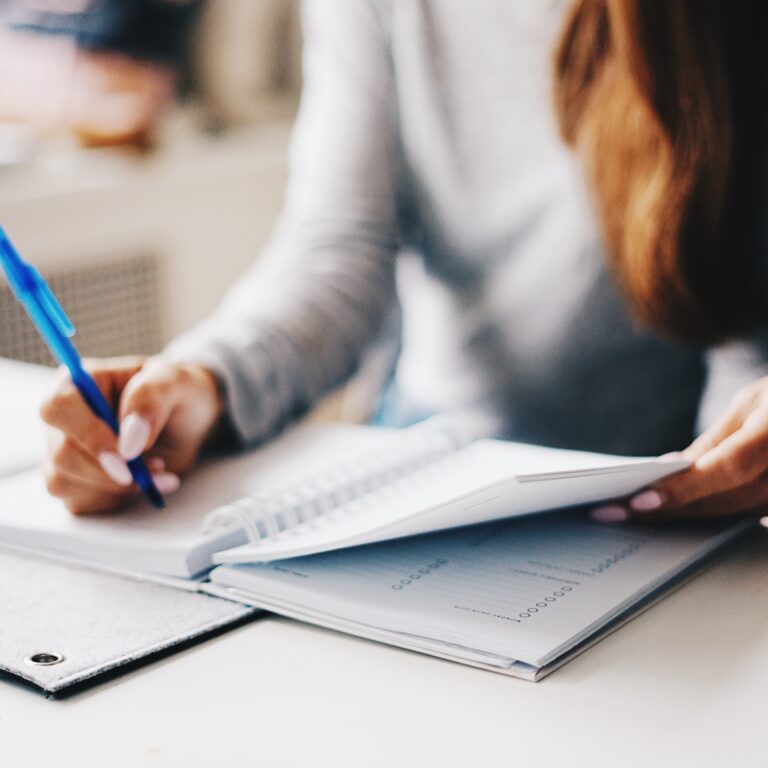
(96,401)
(143,478)
(94,398)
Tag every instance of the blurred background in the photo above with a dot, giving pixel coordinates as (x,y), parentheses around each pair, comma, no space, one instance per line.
(142,157)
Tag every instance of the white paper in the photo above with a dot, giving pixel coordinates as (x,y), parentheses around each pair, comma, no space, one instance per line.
(487,480)
(524,591)
(168,541)
(23,388)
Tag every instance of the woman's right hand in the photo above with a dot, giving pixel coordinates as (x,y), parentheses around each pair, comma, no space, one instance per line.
(167,412)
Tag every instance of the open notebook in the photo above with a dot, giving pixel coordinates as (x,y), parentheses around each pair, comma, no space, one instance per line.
(518,596)
(321,488)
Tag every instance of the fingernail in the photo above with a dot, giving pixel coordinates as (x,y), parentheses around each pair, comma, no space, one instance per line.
(166,482)
(134,436)
(671,456)
(647,501)
(610,514)
(116,468)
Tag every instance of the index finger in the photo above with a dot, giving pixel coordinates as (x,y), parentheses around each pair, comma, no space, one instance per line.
(66,411)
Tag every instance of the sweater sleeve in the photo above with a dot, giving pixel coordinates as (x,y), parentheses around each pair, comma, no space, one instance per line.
(296,324)
(729,367)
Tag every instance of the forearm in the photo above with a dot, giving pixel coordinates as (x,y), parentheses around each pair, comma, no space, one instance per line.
(287,336)
(296,325)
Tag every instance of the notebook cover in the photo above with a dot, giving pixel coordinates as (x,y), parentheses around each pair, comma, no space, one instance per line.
(99,624)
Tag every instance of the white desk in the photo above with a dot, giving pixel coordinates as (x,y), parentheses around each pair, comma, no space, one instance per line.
(684,684)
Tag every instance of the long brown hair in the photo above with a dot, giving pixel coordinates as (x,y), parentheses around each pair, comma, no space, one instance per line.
(664,100)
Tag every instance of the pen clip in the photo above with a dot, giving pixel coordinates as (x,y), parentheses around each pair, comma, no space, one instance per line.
(55,311)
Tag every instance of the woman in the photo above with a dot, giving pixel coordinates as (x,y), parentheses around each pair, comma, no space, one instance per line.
(427,126)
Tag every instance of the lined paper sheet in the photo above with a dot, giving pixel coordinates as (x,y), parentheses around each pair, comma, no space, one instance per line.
(524,590)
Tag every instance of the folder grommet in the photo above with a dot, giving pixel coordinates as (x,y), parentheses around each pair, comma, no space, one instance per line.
(44,659)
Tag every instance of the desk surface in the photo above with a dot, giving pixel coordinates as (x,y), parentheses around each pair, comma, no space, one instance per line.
(684,684)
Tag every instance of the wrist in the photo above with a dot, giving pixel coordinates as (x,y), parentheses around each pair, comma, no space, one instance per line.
(212,391)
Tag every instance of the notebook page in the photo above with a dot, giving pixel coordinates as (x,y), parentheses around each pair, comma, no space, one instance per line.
(168,542)
(487,480)
(525,590)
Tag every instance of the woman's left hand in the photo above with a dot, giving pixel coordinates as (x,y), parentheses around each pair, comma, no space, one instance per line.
(729,474)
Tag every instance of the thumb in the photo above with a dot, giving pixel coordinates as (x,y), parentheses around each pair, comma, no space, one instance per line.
(146,405)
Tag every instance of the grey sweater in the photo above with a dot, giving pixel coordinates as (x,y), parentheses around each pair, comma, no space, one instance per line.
(426,128)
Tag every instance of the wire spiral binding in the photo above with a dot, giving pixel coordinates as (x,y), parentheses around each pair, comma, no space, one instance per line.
(273,511)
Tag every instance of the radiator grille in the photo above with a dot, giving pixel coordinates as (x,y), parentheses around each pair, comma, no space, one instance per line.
(114,304)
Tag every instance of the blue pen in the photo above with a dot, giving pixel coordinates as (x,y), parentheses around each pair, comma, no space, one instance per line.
(56,329)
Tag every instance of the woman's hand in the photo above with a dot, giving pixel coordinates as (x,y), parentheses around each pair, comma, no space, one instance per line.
(729,475)
(167,411)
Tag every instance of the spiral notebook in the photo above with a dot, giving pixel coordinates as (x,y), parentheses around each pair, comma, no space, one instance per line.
(320,488)
(517,596)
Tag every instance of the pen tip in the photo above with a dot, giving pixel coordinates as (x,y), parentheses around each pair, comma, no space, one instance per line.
(155,497)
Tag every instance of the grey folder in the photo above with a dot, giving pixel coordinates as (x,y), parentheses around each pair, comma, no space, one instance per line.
(62,627)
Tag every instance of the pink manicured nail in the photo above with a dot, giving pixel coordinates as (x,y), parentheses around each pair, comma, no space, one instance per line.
(115,467)
(647,501)
(610,514)
(166,482)
(134,436)
(672,456)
